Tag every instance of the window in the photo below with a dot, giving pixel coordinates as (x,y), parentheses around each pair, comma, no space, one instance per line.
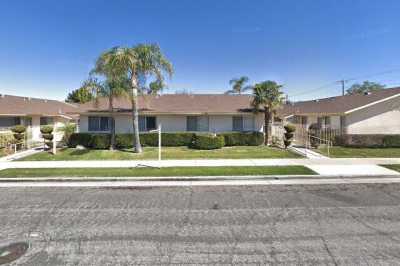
(147,123)
(151,122)
(191,123)
(44,121)
(9,121)
(237,123)
(327,121)
(97,123)
(197,123)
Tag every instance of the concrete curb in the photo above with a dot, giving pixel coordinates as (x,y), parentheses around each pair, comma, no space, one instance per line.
(66,179)
(152,184)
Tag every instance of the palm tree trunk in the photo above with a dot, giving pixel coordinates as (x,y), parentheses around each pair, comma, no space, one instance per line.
(267,117)
(112,123)
(135,116)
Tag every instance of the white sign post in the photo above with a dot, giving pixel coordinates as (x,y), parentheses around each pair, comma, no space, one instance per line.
(54,140)
(159,143)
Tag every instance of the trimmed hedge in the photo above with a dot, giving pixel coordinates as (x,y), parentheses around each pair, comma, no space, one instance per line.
(100,141)
(208,142)
(151,139)
(243,138)
(124,141)
(368,141)
(392,141)
(82,139)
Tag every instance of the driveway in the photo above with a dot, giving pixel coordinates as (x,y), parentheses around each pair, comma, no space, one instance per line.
(253,225)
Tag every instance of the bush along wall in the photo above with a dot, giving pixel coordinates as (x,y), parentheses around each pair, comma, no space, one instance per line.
(19,132)
(207,142)
(47,134)
(125,141)
(243,138)
(288,135)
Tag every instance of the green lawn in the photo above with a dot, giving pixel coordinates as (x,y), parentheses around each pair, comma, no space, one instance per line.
(345,152)
(162,172)
(395,167)
(151,153)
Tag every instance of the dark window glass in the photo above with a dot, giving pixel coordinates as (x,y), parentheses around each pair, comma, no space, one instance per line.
(142,123)
(191,123)
(97,123)
(237,123)
(94,123)
(9,121)
(44,121)
(150,122)
(104,124)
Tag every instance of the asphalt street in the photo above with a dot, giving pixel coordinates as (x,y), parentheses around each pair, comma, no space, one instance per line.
(246,225)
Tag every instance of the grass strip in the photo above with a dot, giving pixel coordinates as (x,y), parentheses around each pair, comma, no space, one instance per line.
(348,152)
(168,153)
(156,172)
(394,167)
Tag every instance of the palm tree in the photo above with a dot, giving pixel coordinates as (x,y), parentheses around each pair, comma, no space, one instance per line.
(137,62)
(238,85)
(109,89)
(267,95)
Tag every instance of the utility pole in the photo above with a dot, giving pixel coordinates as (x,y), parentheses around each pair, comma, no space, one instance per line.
(343,82)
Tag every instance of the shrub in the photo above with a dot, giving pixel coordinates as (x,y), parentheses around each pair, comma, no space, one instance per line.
(82,139)
(18,134)
(151,139)
(208,142)
(123,141)
(6,138)
(288,136)
(243,138)
(177,139)
(100,141)
(47,135)
(391,141)
(46,129)
(68,130)
(18,129)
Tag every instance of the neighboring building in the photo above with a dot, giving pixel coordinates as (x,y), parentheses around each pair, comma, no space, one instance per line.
(33,113)
(371,113)
(176,113)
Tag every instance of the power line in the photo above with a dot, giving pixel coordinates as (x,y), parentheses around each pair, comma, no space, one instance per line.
(343,81)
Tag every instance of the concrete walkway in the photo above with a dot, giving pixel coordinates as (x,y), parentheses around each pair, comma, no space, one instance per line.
(310,154)
(21,154)
(339,167)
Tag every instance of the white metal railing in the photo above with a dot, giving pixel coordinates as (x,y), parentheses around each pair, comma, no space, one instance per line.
(327,142)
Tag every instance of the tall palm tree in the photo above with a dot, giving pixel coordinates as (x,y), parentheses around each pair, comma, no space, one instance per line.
(137,62)
(238,85)
(268,97)
(110,89)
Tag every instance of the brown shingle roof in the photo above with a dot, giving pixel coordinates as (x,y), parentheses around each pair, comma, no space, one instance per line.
(22,106)
(179,103)
(339,104)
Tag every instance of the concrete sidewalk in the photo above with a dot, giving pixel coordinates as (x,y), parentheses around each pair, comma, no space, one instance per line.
(339,167)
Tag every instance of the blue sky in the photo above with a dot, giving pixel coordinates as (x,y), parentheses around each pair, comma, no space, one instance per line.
(47,48)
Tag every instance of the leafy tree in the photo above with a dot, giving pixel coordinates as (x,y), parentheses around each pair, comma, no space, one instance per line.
(110,89)
(366,86)
(268,97)
(135,63)
(81,95)
(238,85)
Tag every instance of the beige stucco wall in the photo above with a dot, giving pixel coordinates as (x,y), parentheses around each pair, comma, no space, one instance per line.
(177,123)
(382,118)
